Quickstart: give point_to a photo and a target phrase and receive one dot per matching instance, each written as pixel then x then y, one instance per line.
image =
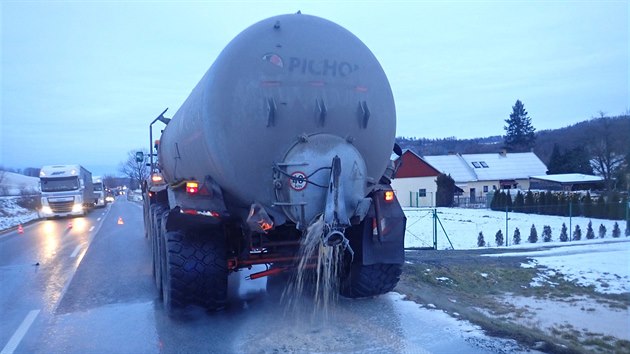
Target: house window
pixel 422 192
pixel 485 189
pixel 483 164
pixel 476 164
pixel 494 188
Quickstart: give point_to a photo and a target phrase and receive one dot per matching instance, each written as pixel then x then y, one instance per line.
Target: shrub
pixel 498 237
pixel 480 241
pixel 546 233
pixel 589 231
pixel 616 230
pixel 577 234
pixel 602 230
pixel 564 237
pixel 533 235
pixel 517 236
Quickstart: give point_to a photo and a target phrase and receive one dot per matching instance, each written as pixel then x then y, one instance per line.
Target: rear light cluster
pixel 389 196
pixel 192 187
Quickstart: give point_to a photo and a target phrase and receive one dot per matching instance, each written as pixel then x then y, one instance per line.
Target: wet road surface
pixel 93 292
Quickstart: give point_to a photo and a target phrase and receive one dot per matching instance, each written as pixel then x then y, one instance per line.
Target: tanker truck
pixel 294 122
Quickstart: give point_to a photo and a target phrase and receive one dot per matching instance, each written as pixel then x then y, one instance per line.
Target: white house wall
pixel 406 190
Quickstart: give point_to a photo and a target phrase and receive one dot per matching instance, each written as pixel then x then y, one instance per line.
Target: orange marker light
pixel 192 187
pixel 389 196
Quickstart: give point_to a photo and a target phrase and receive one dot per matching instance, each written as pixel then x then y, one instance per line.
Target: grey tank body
pixel 283 78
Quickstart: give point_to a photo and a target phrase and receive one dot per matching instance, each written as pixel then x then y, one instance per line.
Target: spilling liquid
pixel 318 273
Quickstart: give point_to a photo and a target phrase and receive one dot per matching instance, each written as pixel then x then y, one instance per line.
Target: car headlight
pixel 46 210
pixel 77 208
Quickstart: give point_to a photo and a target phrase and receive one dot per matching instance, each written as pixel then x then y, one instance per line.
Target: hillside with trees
pixel 600 146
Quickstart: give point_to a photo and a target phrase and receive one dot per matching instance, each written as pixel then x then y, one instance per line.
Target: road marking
pixel 76 251
pixel 91 228
pixel 20 332
pixel 99 219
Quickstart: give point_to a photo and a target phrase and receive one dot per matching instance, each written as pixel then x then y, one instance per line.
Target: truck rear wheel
pixel 157 232
pixel 370 280
pixel 194 270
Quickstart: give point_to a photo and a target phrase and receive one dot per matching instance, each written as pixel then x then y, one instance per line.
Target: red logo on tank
pixel 274 59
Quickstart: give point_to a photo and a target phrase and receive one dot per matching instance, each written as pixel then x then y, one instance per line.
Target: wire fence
pixel 461 228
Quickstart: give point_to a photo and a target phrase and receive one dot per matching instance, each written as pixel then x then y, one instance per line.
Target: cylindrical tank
pixel 280 80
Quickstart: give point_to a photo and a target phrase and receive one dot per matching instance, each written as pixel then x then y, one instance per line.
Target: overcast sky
pixel 81 80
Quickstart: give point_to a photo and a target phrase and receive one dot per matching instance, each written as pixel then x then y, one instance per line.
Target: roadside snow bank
pixel 11 214
pixel 606 266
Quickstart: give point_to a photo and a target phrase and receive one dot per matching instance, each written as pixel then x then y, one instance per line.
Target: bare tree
pixel 607 158
pixel 136 171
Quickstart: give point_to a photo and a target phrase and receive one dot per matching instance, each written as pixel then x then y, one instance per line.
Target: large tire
pixel 159 214
pixel 370 280
pixel 195 271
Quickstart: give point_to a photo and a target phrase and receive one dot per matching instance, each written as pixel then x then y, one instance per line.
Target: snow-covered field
pixel 462 227
pixel 601 262
pixel 606 266
pixel 15 183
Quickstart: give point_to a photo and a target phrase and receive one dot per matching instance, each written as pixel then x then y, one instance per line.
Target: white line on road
pixel 20 332
pixel 99 219
pixel 91 228
pixel 76 251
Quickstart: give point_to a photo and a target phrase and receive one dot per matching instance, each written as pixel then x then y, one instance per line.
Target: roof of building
pixel 452 165
pixel 488 167
pixel 569 178
pixel 413 165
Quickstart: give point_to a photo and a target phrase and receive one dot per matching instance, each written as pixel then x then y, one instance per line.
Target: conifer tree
pixel 519 133
pixel 602 230
pixel 480 241
pixel 616 231
pixel 498 238
pixel 533 235
pixel 516 239
pixel 530 203
pixel 519 202
pixel 546 233
pixel 587 203
pixel 590 234
pixel 600 208
pixel 577 234
pixel 564 237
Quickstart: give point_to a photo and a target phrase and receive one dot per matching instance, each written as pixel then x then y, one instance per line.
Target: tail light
pixel 389 196
pixel 157 178
pixel 192 187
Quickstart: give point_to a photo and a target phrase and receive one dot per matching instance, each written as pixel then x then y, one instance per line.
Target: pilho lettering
pixel 324 67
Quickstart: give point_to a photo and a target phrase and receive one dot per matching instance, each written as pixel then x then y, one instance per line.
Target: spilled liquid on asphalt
pixel 318 272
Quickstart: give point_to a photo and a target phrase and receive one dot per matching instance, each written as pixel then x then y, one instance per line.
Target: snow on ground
pixel 11 214
pixel 462 226
pixel 605 266
pixel 14 183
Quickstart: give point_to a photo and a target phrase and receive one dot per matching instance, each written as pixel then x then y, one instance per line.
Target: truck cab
pixel 67 190
pixel 100 200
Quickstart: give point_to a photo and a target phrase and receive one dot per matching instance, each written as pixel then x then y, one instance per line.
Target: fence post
pixel 507 235
pixel 570 220
pixel 435 229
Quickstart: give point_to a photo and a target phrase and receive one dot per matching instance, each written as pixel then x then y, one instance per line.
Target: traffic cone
pixel 69 224
pixel 20 229
pixel 120 221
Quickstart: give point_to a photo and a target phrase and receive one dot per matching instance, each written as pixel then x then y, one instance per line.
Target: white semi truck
pixel 99 192
pixel 66 190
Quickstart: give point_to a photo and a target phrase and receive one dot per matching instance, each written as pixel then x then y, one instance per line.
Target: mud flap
pixel 383 232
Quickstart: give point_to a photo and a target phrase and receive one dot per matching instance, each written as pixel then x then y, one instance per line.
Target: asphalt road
pixel 89 289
